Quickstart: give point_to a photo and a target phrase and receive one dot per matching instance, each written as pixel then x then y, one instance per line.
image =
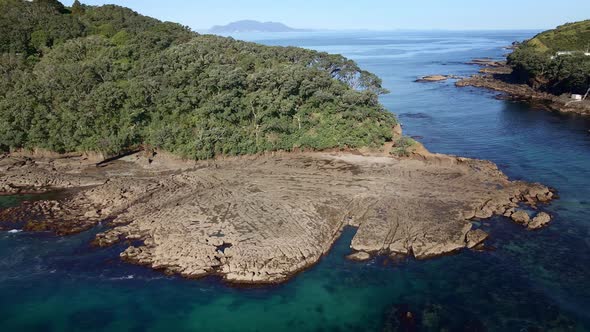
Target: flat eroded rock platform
pixel 262 219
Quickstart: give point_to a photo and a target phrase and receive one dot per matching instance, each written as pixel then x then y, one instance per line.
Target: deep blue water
pixel 531 281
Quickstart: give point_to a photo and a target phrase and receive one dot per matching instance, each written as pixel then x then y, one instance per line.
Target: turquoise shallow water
pixel 531 281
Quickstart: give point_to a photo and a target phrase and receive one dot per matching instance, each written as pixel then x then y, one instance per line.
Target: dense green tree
pixel 78 8
pixel 108 79
pixel 555 74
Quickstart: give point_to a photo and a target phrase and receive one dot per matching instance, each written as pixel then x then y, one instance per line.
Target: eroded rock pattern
pixel 261 219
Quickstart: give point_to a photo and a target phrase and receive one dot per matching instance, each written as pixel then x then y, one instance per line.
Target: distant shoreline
pixel 499 78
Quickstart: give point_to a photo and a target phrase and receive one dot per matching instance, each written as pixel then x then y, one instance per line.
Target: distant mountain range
pixel 252 26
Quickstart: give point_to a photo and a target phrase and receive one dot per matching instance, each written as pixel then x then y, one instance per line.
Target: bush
pixel 402 146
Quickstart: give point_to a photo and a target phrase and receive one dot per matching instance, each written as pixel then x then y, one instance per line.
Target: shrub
pixel 402 146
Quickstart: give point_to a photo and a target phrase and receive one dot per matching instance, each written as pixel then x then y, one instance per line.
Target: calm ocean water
pixel 531 281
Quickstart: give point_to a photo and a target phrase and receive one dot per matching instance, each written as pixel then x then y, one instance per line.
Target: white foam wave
pixel 129 277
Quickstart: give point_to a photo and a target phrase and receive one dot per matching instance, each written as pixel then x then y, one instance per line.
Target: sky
pixel 366 14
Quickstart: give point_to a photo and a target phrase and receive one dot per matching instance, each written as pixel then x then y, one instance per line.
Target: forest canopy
pixel 108 79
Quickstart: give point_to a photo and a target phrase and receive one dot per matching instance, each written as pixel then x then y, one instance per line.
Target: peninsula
pixel 551 70
pixel 205 155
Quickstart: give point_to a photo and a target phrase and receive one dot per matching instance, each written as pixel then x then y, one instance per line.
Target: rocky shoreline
pixel 435 78
pixel 497 77
pixel 261 219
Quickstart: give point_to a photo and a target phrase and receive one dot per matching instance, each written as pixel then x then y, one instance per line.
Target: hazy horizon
pixel 371 15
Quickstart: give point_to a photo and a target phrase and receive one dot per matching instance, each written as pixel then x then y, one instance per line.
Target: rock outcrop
pixel 359 256
pixel 487 62
pixel 521 217
pixel 499 78
pixel 475 238
pixel 433 78
pixel 262 219
pixel 539 221
pixel 436 78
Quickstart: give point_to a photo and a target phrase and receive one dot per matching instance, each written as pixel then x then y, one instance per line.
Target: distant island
pixel 252 26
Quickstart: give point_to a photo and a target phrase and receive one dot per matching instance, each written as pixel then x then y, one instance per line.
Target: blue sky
pixel 366 14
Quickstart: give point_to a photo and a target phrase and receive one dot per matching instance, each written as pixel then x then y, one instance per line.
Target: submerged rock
pixel 360 256
pixel 401 319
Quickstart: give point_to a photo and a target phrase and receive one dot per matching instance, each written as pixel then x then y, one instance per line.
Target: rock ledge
pixel 261 219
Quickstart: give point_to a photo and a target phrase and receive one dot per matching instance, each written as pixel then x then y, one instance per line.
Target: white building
pixel 563 53
pixel 560 53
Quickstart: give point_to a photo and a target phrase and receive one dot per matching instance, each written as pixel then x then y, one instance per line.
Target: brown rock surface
pixel 521 217
pixel 475 237
pixel 433 78
pixel 487 62
pixel 261 219
pixel 359 256
pixel 539 221
pixel 436 78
